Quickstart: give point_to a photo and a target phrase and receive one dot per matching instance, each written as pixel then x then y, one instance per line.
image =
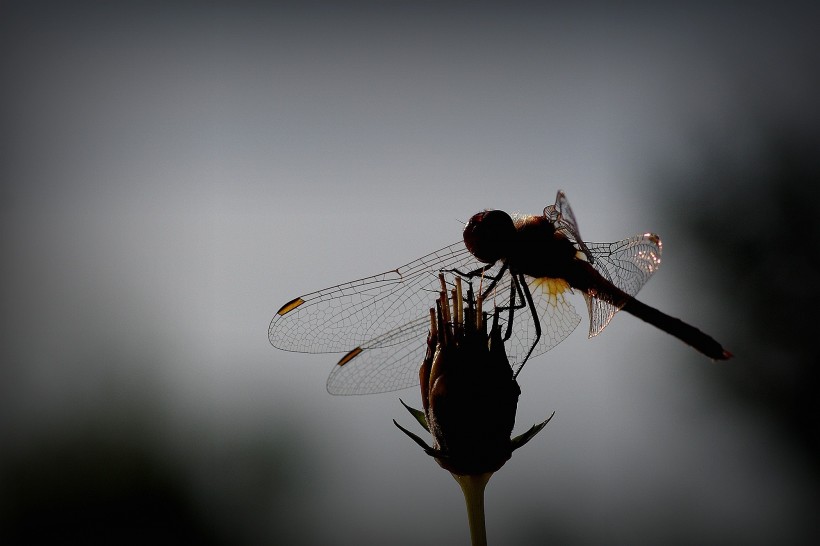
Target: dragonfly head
pixel 489 234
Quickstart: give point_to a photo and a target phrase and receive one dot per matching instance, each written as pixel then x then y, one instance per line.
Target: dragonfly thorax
pixel 539 250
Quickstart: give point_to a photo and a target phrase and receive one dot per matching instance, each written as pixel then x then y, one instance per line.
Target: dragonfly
pixel 528 265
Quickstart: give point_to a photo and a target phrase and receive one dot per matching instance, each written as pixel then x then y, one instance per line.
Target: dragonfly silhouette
pixel 526 266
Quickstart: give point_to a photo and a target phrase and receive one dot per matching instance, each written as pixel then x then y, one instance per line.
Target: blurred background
pixel 172 172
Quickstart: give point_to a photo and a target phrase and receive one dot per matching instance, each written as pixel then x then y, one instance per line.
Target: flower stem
pixel 473 488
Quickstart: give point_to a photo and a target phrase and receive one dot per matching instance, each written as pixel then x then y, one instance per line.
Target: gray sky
pixel 172 174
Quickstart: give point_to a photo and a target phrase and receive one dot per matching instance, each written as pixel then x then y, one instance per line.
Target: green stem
pixel 473 489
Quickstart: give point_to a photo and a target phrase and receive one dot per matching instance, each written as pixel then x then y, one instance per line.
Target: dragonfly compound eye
pixel 488 235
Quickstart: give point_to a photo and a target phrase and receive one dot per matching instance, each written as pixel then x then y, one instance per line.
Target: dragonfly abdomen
pixel 687 333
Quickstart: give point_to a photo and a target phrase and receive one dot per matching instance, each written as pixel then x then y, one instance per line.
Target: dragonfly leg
pixel 536 322
pixel 515 288
pixel 481 272
pixel 512 309
pixel 470 274
pixel 494 281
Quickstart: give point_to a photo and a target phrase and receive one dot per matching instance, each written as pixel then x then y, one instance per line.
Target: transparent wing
pixel 561 216
pixel 628 265
pixel 392 360
pixel 389 362
pixel 348 315
pixel 557 316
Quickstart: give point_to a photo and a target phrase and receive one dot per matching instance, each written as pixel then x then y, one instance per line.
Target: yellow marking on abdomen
pixel 553 287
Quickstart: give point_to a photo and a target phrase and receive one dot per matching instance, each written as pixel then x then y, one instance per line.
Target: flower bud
pixel 468 389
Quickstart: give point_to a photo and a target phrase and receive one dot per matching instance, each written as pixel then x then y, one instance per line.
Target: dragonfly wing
pixel 387 363
pixel 391 361
pixel 628 265
pixel 556 314
pixel 350 314
pixel 562 213
pixel 562 217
